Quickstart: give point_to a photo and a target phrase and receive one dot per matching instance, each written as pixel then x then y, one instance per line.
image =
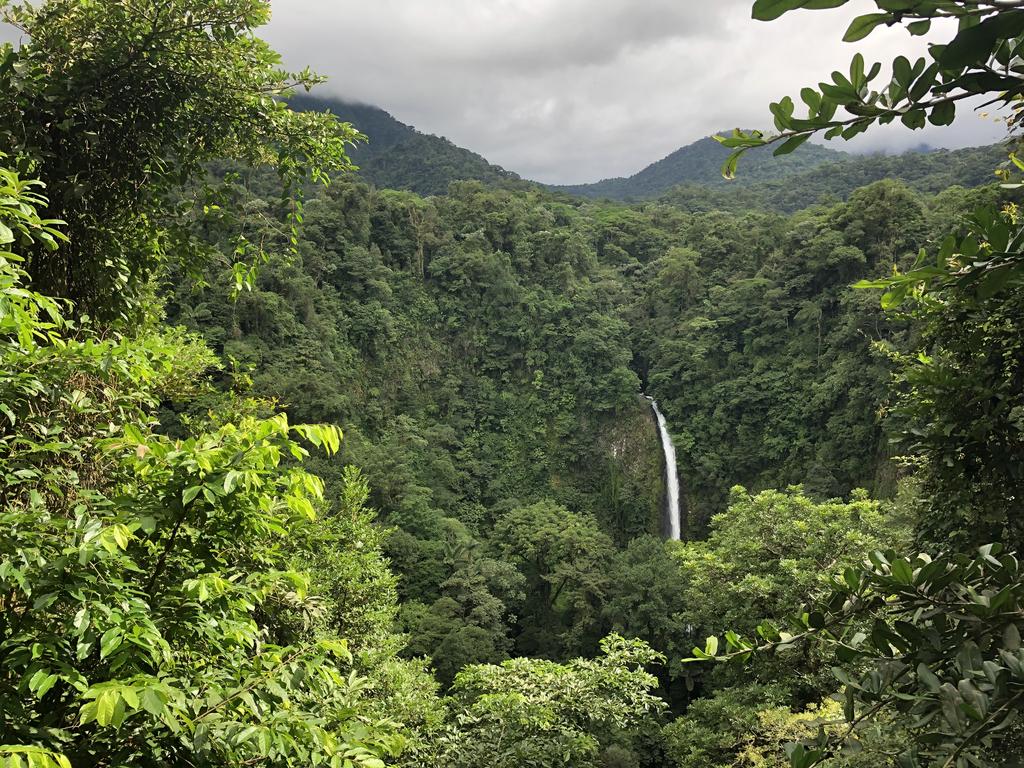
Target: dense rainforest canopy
pixel 301 470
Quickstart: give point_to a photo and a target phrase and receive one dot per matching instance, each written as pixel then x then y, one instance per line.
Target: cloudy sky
pixel 578 90
pixel 570 91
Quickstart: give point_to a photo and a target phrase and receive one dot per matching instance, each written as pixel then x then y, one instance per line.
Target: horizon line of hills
pixel 400 157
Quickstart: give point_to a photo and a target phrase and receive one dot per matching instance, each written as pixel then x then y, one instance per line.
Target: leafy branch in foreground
pixel 983 58
pixel 149 605
pixel 936 641
pixel 978 263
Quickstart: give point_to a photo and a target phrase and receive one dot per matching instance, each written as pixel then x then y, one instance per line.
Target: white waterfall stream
pixel 671 473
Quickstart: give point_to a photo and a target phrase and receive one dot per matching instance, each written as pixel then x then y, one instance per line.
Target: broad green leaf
pixel 920 27
pixel 769 10
pixel 974 45
pixel 902 72
pixel 105 707
pixel 790 144
pixel 914 119
pixel 711 646
pixel 928 678
pixel 862 26
pixel 152 702
pixel 902 572
pixel 110 641
pixel 943 114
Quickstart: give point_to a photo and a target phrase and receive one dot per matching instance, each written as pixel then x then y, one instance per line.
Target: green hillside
pixel 927 172
pixel 701 163
pixel 397 156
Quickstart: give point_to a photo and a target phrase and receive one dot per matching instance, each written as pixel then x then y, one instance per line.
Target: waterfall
pixel 671 473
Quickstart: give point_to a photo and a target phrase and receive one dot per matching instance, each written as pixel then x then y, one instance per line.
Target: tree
pixel 936 643
pixel 959 406
pixel 118 106
pixel 647 600
pixel 469 623
pixel 745 726
pixel 537 712
pixel 980 60
pixel 565 558
pixel 772 550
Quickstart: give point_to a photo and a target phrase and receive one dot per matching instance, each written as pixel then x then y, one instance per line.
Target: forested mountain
pixel 931 172
pixel 691 177
pixel 700 163
pixel 302 471
pixel 397 156
pixel 484 353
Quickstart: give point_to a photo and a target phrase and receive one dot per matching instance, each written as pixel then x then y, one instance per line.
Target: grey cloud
pixel 503 35
pixel 578 90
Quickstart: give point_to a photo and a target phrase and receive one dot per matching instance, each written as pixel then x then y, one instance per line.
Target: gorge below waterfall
pixel 672 513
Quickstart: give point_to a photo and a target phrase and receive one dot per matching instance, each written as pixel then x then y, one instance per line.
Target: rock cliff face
pixel 635 491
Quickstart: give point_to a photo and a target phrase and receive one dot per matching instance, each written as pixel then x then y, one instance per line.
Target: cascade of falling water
pixel 671 473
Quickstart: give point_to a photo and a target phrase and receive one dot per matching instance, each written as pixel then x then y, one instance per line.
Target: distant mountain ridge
pixel 927 172
pixel 701 163
pixel 400 157
pixel 397 156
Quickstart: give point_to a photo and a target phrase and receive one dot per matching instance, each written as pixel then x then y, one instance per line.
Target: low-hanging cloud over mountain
pixel 568 91
pixel 577 90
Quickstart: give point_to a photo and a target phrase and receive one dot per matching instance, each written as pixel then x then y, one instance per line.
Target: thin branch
pixel 977 732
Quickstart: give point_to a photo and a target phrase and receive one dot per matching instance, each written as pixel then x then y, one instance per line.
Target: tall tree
pixel 117 106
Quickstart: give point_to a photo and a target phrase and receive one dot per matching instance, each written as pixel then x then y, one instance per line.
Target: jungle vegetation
pixel 300 470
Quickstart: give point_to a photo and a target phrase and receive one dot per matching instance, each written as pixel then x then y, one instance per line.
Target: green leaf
pixel 790 144
pixel 811 98
pixel 105 706
pixel 152 702
pixel 902 572
pixel 729 166
pixel 974 45
pixel 862 26
pixel 920 27
pixel 110 641
pixel 130 696
pixel 5 409
pixel 769 10
pixel 46 684
pixel 943 114
pixel 914 119
pixel 902 71
pixel 928 678
pixel 1011 637
pixel 711 646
